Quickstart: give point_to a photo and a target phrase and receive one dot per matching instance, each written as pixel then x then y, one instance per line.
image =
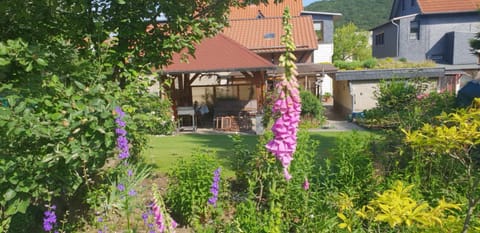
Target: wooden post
pixel 174 97
pixel 259 81
pixel 187 88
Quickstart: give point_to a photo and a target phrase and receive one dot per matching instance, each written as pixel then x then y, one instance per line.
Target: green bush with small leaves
pixel 312 106
pixel 189 188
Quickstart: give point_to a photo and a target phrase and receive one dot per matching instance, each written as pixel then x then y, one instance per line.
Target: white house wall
pixel 327 84
pixel 363 94
pixel 342 98
pixel 323 54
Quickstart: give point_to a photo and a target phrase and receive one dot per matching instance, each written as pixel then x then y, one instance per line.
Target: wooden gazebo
pixel 217 55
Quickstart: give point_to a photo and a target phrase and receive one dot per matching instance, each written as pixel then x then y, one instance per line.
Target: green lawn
pixel 164 151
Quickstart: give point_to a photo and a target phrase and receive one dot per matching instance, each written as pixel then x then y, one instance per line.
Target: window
pixel 380 39
pixel 318 27
pixel 403 4
pixel 269 36
pixel 412 2
pixel 414 30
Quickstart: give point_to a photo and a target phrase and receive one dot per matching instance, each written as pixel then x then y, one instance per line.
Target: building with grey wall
pixel 436 30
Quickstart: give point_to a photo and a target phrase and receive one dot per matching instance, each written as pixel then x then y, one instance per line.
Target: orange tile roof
pixel 446 6
pixel 218 54
pixel 270 10
pixel 263 35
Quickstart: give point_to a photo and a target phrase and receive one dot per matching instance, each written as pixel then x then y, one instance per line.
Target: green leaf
pixel 9 195
pixel 20 107
pixel 3 49
pixel 79 85
pixel 18 206
pixel 41 62
pixel 48 103
pixel 4 62
pixel 29 67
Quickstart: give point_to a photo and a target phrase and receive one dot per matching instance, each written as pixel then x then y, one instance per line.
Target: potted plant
pixel 326 96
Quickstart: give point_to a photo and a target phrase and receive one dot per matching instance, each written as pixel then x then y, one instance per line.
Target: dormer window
pixel 269 36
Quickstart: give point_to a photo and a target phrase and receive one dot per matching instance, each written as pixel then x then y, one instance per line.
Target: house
pixel 438 30
pixel 258 27
pixel 417 30
pixel 323 24
pixel 217 76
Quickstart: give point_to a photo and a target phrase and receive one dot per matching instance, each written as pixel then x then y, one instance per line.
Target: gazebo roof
pixel 218 54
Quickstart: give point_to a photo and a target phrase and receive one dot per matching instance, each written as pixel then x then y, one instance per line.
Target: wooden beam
pixel 194 78
pixel 248 75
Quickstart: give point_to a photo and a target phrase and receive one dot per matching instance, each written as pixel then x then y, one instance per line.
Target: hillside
pixel 366 14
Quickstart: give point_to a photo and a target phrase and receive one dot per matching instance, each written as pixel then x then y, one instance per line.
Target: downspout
pixel 398 29
pixel 398 36
pixel 352 95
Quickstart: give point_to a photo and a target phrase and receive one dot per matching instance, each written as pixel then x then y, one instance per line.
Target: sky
pixel 307 2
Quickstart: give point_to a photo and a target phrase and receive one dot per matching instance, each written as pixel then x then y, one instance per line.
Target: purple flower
pixel 49 219
pixel 121 187
pixel 132 192
pixel 145 218
pixel 120 122
pixel 122 141
pixel 214 189
pixel 130 172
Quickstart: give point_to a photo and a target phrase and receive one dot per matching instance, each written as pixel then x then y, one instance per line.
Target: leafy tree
pixel 146 32
pixel 350 44
pixel 64 66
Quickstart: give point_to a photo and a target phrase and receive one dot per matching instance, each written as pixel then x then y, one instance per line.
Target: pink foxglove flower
pixel 287 105
pixel 163 221
pixel 306 184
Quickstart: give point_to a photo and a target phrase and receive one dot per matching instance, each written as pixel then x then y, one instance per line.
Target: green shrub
pixel 271 202
pixel 311 106
pixel 370 63
pixel 155 115
pixel 189 188
pixel 57 130
pixel 351 166
pixel 396 95
pixel 348 65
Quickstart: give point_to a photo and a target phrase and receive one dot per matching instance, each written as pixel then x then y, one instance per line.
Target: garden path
pixel 335 121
